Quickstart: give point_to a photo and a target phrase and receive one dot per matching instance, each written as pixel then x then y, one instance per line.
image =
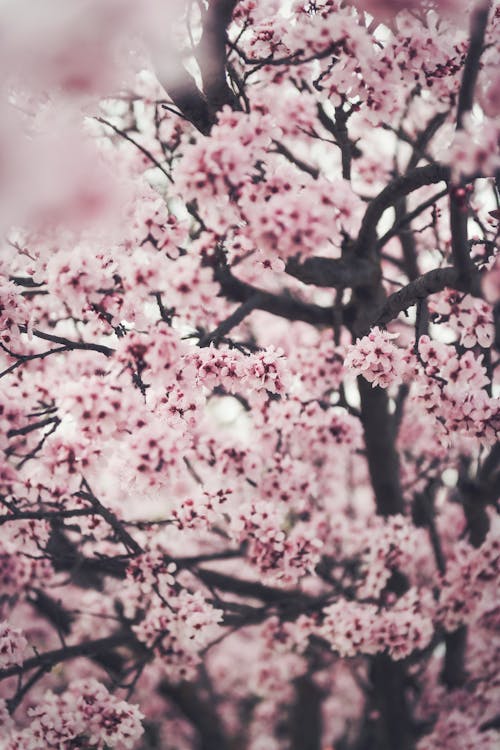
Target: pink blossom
pixel 13 645
pixel 376 358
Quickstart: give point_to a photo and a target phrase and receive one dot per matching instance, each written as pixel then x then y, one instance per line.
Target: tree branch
pixel 414 179
pixel 478 24
pixel 129 542
pixel 201 107
pixel 382 456
pixel 333 272
pixel 199 712
pixel 87 648
pixel 407 218
pixel 306 719
pixel 212 57
pixel 458 197
pixel 106 350
pixel 283 305
pixel 231 321
pixel 430 283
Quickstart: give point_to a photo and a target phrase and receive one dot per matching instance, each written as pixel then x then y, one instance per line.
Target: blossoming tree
pixel 249 475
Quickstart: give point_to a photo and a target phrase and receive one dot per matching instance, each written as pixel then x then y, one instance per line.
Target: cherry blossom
pixel 249 375
pixel 13 645
pixel 376 358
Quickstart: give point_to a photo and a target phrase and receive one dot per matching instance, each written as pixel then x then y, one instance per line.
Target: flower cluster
pixel 467 588
pixel 178 630
pixel 201 511
pixel 151 570
pixel 235 372
pixel 85 715
pixel 471 317
pixel 13 645
pixel 475 149
pixel 454 729
pixel 354 628
pixel 218 167
pixel 281 556
pixel 14 310
pixel 376 358
pixel 452 389
pixel 390 546
pixel 287 219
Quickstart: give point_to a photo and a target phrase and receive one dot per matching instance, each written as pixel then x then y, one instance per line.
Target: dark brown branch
pixel 458 197
pixel 400 186
pixel 52 609
pixel 338 128
pixel 87 648
pixel 26 281
pixel 212 57
pixel 382 456
pixel 106 350
pixel 85 572
pixel 408 217
pixel 283 305
pixel 306 720
pixel 393 728
pixel 293 59
pixel 478 24
pixel 406 138
pixel 424 515
pixel 408 241
pixel 128 541
pixel 201 713
pixel 431 282
pixel 23 358
pixel 453 674
pixel 43 515
pixel 186 96
pixel 302 165
pixel 332 272
pixel 254 589
pixel 478 493
pixel 143 150
pixel 424 138
pixel 201 107
pixel 467 274
pixel 30 427
pixel 231 321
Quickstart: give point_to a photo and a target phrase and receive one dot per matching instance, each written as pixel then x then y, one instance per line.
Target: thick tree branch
pixel 478 24
pixel 122 534
pixel 42 515
pixel 453 674
pixel 202 714
pixel 87 648
pixel 201 107
pixel 430 283
pixel 458 197
pixel 306 719
pixel 382 456
pixel 236 317
pixel 393 729
pixel 419 177
pixel 403 220
pixel 212 59
pixel 253 589
pixel 283 305
pixel 333 272
pixel 338 128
